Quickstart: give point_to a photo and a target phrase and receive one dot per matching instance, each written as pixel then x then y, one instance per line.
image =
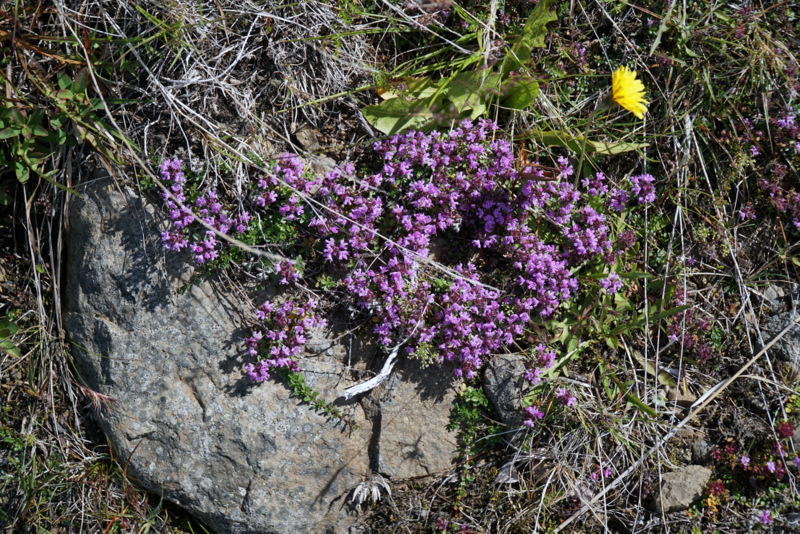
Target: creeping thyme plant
pixel 449 246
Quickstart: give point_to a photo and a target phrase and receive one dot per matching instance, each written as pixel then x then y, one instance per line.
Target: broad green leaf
pixel 471 89
pixel 551 138
pixel 21 170
pixel 615 147
pixel 63 81
pixel 633 399
pixel 397 114
pixel 16 117
pixel 635 275
pixel 520 92
pixel 9 132
pixel 36 117
pixel 65 94
pixel 81 81
pixel 59 120
pixel 10 348
pixel 7 327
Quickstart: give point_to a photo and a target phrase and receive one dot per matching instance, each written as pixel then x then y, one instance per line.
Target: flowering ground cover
pixel 609 192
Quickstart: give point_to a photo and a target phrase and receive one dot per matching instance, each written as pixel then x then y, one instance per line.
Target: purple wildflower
pixel 643 188
pixel 747 212
pixel 612 283
pixel 619 199
pixel 532 412
pixel 765 517
pixel 566 397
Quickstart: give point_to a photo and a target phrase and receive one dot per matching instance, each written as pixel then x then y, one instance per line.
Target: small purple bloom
pixel 619 199
pixel 611 284
pixel 533 412
pixel 754 151
pixel 771 467
pixel 765 517
pixel 643 188
pixel 747 212
pixel 566 397
pixel 745 461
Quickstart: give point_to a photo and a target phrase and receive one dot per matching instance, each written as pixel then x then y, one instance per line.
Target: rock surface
pixel 503 383
pixel 405 412
pixel 242 457
pixel 680 489
pixel 788 347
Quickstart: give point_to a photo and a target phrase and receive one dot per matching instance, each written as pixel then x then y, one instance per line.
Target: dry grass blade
pixel 694 412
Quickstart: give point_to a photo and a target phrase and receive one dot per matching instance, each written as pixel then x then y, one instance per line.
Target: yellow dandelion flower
pixel 628 92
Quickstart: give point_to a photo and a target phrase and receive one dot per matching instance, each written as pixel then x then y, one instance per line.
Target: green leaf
pixel 65 94
pixel 36 117
pixel 520 92
pixel 10 348
pixel 531 36
pixel 9 132
pixel 21 170
pixel 16 116
pixel 397 114
pixel 615 147
pixel 58 120
pixel 63 81
pixel 7 327
pixel 81 81
pixel 38 131
pixel 552 138
pixel 633 399
pixel 470 90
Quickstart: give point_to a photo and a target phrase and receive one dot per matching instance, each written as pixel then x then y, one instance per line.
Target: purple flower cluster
pixel 202 243
pixel 780 185
pixel 690 332
pixel 612 283
pixel 281 342
pixel 532 413
pixel 544 360
pixel 566 398
pixel 377 233
pixel 643 188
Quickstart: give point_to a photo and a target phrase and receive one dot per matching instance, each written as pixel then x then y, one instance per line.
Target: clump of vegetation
pixel 515 209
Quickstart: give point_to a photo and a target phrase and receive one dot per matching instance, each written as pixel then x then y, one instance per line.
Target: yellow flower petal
pixel 628 92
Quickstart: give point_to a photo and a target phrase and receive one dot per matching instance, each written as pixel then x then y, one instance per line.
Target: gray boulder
pixel 681 488
pixel 168 347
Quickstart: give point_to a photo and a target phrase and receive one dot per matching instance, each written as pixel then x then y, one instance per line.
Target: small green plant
pixel 7 330
pixel 421 102
pixel 297 384
pixel 426 354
